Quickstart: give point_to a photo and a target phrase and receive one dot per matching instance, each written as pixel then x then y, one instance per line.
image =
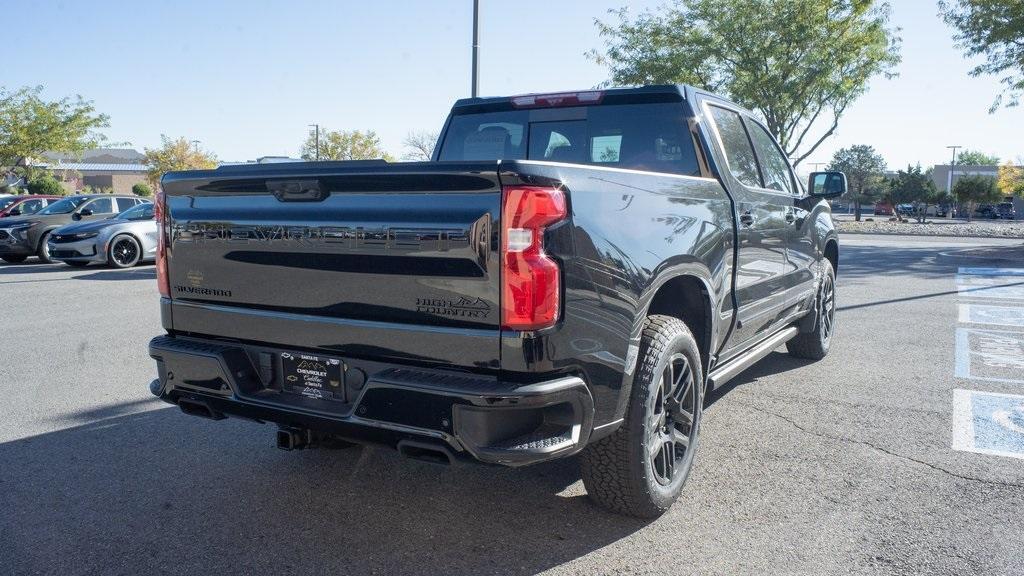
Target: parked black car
pixel 1005 211
pixel 24 236
pixel 571 273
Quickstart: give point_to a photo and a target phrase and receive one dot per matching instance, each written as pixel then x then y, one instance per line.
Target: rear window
pixel 651 137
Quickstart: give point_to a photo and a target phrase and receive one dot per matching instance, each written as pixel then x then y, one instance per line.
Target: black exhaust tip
pixel 426 452
pixel 199 408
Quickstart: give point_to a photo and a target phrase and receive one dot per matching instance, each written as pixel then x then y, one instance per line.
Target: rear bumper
pixel 471 416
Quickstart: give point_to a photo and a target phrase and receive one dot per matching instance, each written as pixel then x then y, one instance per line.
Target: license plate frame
pixel 312 376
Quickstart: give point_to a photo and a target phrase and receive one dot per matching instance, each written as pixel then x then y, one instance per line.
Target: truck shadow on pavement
pixel 158 492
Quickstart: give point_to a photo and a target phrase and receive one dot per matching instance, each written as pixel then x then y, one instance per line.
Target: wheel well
pixel 832 253
pixel 685 297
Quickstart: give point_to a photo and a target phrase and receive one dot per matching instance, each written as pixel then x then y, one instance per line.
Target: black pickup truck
pixel 570 274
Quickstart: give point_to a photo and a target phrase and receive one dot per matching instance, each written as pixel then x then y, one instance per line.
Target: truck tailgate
pixel 360 258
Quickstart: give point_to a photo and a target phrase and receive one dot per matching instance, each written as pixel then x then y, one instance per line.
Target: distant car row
pixel 79 230
pixel 1002 211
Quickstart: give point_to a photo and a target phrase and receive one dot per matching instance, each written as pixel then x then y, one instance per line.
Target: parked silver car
pixel 122 241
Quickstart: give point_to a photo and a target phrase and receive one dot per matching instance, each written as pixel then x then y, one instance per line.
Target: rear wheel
pixel 641 468
pixel 124 252
pixel 43 252
pixel 814 344
pixel 14 259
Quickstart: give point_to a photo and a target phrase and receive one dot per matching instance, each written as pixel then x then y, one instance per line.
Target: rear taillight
pixel 530 279
pixel 159 213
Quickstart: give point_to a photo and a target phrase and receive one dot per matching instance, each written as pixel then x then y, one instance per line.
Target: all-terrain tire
pixel 617 470
pixel 814 344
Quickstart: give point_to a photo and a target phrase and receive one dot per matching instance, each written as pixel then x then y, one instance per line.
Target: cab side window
pixel 30 206
pixel 739 154
pixel 773 163
pixel 125 203
pixel 101 206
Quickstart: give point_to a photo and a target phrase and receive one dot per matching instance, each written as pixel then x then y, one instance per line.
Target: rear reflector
pixel 560 99
pixel 159 214
pixel 531 285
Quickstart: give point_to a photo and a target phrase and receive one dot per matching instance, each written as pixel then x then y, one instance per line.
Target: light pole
pixel 475 87
pixel 317 127
pixel 952 166
pixel 195 145
pixel 949 187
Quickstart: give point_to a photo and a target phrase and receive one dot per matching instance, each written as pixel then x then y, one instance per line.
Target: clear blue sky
pixel 245 78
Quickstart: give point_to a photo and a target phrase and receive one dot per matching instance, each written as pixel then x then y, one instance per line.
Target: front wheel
pixel 43 252
pixel 814 344
pixel 124 252
pixel 640 469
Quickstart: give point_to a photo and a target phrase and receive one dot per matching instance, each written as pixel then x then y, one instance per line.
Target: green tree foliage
pixel 993 29
pixel 864 168
pixel 800 63
pixel 976 158
pixel 419 146
pixel 142 189
pixel 45 183
pixel 912 186
pixel 976 189
pixel 175 154
pixel 1011 179
pixel 31 125
pixel 345 145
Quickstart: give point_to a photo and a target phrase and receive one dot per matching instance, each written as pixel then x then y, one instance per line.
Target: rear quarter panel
pixel 630 231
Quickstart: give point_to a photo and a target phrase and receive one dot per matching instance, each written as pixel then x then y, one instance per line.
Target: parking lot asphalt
pixel 836 467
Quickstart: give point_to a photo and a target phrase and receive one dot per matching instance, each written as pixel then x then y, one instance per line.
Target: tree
pixel 142 189
pixel 993 29
pixel 976 158
pixel 31 125
pixel 345 145
pixel 172 155
pixel 800 63
pixel 1011 179
pixel 419 146
pixel 912 186
pixel 45 184
pixel 863 167
pixel 976 189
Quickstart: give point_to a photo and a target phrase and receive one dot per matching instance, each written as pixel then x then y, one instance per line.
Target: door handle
pixel 747 219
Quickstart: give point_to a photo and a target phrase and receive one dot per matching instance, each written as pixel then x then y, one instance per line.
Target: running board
pixel 728 371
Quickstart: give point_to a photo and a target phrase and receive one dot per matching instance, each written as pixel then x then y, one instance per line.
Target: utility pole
pixel 317 126
pixel 814 165
pixel 475 88
pixel 195 145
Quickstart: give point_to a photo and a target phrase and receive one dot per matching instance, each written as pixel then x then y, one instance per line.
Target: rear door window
pixel 739 153
pixel 125 203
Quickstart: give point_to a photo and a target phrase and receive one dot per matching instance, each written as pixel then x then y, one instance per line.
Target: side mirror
pixel 826 184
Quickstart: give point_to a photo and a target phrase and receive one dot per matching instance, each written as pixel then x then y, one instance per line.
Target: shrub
pixel 142 189
pixel 45 184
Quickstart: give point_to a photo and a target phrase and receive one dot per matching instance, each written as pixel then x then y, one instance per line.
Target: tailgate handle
pixel 296 190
